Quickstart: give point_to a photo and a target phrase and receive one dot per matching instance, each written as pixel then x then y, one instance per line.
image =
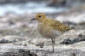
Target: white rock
pixel 13 38
pixel 75 18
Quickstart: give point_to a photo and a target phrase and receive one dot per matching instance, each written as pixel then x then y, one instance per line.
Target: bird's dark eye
pixel 39 16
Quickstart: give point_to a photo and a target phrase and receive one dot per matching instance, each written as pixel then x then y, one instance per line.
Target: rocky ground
pixel 19 37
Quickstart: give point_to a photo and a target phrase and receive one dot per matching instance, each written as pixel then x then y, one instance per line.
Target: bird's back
pixel 56 25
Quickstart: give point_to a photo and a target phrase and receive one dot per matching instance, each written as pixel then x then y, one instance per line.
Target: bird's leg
pixel 53 43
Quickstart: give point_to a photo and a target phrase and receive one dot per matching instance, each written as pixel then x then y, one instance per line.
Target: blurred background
pixel 34 6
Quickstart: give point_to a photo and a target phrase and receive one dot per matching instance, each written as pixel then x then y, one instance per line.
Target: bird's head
pixel 39 17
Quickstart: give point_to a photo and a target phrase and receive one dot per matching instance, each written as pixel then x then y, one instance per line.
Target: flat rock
pixel 61 50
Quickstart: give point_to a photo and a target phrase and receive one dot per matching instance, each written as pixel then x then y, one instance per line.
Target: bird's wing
pixel 59 26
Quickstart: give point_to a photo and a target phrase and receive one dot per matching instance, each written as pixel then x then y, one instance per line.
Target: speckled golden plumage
pixel 47 27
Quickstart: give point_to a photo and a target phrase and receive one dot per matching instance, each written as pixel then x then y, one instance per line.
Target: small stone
pixel 66 41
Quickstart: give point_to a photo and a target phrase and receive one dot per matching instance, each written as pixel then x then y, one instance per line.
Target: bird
pixel 47 27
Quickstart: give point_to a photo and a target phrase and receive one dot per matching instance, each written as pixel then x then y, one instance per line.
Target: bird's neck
pixel 42 20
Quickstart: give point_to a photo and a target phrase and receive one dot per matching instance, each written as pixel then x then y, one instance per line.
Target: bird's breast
pixel 46 31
